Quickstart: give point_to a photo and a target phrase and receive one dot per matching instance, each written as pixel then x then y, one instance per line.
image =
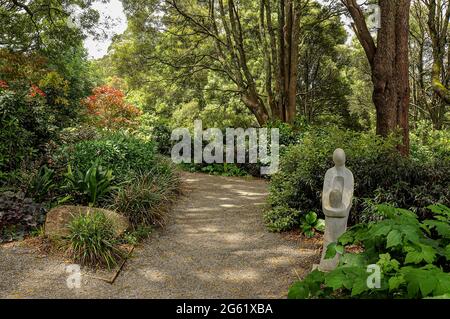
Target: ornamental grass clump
pixel 145 200
pixel 92 241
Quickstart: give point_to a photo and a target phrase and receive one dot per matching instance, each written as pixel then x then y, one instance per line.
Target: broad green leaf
pixel 334 249
pixel 426 253
pixel 346 238
pixel 337 279
pixel 443 228
pixel 359 286
pixel 396 282
pixel 331 251
pixel 311 218
pixel 394 239
pixel 298 291
pixel 381 230
pixel 447 252
pixel 427 285
pixel 353 260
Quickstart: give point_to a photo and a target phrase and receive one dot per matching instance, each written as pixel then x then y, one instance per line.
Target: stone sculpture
pixel 337 199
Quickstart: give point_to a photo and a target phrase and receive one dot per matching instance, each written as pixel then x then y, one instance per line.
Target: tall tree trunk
pixel 292 28
pixel 389 61
pixel 438 22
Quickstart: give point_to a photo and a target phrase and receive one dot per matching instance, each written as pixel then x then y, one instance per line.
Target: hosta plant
pixel 413 258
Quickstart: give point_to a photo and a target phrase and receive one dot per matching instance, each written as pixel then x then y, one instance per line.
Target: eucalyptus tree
pixel 388 56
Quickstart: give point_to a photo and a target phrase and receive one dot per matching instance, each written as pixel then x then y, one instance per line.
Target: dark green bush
pixel 25 126
pixel 224 169
pixel 92 241
pixel 121 152
pixel 161 134
pixel 381 175
pixel 282 218
pixel 42 184
pixel 413 258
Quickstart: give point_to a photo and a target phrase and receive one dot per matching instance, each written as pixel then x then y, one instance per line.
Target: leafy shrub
pixel 413 257
pixel 90 186
pixel 145 199
pixel 18 215
pixel 80 133
pixel 161 134
pixel 42 184
pixel 123 153
pixel 281 218
pixel 92 241
pixel 381 175
pixel 25 126
pixel 224 169
pixel 428 144
pixel 289 135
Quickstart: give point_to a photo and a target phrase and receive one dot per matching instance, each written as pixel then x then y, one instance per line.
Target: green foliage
pixel 281 219
pixel 224 169
pixel 428 144
pixel 92 241
pixel 25 126
pixel 413 257
pixel 311 223
pixel 42 184
pixel 161 134
pixel 145 200
pixel 90 186
pixel 380 174
pixel 137 235
pixel 122 152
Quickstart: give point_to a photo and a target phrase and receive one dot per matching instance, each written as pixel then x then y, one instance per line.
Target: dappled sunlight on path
pixel 215 246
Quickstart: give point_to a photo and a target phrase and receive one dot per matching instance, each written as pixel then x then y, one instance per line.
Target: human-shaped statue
pixel 337 199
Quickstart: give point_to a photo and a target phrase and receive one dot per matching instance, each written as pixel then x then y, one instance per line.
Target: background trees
pixel 429 60
pixel 253 47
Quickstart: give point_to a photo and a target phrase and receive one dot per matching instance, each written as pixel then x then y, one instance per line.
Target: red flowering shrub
pixel 108 108
pixel 3 85
pixel 35 90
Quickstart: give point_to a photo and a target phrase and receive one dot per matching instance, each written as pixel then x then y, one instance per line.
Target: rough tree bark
pixel 389 61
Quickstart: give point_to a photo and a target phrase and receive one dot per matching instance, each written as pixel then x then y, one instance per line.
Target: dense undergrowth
pixel 381 175
pixel 79 161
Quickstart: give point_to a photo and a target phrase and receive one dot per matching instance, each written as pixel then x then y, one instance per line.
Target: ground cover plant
pixel 413 257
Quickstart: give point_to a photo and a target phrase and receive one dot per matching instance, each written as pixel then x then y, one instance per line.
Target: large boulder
pixel 58 219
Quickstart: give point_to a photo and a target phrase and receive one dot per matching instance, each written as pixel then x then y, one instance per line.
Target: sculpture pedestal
pixel 334 228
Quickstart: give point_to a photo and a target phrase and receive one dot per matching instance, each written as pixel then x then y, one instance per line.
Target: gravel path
pixel 215 246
